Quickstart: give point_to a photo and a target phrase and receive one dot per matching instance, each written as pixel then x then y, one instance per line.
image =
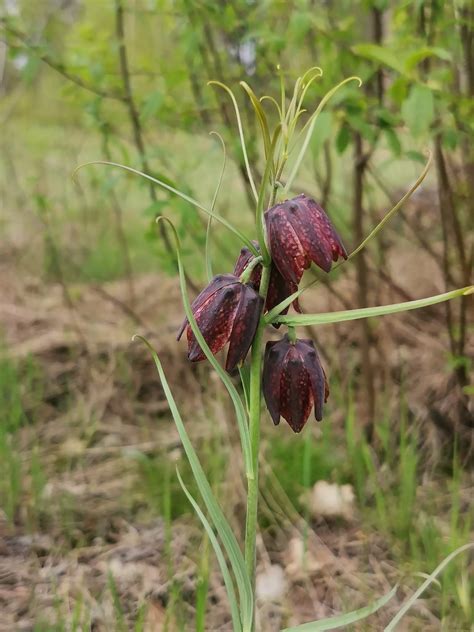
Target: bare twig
pixel 59 67
pixel 121 234
pixel 362 280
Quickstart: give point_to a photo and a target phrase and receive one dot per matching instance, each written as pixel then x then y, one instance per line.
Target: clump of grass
pixel 18 479
pixel 422 521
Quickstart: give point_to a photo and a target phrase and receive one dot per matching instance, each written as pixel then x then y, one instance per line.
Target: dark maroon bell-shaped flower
pixel 279 288
pixel 225 311
pixel 293 382
pixel 299 232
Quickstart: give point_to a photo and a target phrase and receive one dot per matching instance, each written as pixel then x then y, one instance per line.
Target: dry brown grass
pixel 102 401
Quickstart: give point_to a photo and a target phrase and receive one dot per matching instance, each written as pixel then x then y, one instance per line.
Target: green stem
pixel 247 273
pixel 254 429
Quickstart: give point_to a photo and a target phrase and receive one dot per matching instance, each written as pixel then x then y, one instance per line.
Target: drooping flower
pixel 293 382
pixel 225 311
pixel 299 232
pixel 279 288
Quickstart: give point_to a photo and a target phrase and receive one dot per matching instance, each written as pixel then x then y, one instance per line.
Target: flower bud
pixel 278 287
pixel 293 382
pixel 225 311
pixel 299 232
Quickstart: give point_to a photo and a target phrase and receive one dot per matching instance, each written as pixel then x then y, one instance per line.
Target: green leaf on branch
pixel 423 53
pixel 416 156
pixel 303 320
pixel 343 139
pixel 393 141
pixel 418 110
pixel 381 55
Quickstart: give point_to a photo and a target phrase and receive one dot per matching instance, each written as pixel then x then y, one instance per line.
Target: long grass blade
pixel 431 578
pixel 260 221
pixel 303 320
pixel 180 194
pixel 241 133
pixel 343 620
pixel 229 584
pixel 215 512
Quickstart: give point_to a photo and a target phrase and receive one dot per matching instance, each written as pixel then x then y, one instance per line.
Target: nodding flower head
pixel 293 382
pixel 299 232
pixel 279 288
pixel 225 311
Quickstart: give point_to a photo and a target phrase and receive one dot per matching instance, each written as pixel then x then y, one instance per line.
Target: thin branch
pixel 135 118
pixel 59 67
pixel 417 234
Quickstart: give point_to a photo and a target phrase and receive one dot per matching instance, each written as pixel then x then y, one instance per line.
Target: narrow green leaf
pixel 430 579
pixel 282 92
pixel 266 97
pixel 229 584
pixel 241 133
pixel 118 610
pixel 388 216
pixel 292 105
pixel 310 124
pixel 213 204
pixel 259 214
pixel 234 395
pixel 215 512
pixel 306 81
pixel 342 620
pixel 303 320
pixel 244 372
pixel 180 194
pixel 261 116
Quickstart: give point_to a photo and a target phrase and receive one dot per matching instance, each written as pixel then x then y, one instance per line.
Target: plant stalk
pixel 254 428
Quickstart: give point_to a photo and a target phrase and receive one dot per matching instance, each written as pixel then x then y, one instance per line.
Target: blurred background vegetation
pixel 94 529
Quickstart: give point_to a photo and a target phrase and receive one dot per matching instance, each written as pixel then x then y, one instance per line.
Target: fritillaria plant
pixel 234 309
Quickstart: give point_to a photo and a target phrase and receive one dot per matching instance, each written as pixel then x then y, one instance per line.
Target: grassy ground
pixel 95 530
